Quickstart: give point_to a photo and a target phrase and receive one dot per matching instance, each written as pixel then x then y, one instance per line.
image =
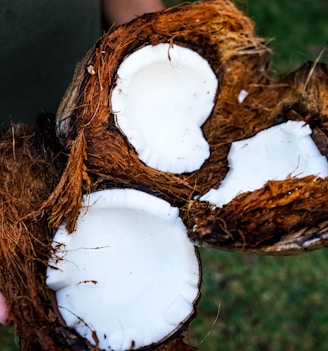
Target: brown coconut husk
pixel 40 187
pixel 30 169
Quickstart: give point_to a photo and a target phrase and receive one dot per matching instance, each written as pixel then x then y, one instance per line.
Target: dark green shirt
pixel 40 43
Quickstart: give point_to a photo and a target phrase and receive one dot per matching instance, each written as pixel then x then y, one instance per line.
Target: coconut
pixel 32 164
pixel 285 216
pixel 277 153
pixel 164 124
pixel 133 282
pixel 129 174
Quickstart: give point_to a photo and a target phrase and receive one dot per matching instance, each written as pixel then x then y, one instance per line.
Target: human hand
pixel 4 311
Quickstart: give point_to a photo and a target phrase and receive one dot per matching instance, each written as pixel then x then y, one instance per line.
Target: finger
pixel 4 312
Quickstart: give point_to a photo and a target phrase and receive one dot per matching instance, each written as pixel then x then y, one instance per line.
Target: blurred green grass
pixel 264 303
pixel 297 29
pixel 255 303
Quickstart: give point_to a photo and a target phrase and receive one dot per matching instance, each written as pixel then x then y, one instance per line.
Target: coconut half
pixel 279 152
pixel 128 276
pixel 163 95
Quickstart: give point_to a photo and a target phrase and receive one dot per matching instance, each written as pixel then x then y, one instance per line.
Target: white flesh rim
pixel 129 273
pixel 282 151
pixel 162 97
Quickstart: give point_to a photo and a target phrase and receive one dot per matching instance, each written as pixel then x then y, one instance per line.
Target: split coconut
pixel 278 153
pixel 162 97
pixel 278 204
pixel 128 277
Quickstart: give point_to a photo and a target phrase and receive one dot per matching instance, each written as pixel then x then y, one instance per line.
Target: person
pixel 40 45
pixel 41 42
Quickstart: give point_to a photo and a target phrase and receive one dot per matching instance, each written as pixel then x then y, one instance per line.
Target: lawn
pixel 254 303
pixel 264 303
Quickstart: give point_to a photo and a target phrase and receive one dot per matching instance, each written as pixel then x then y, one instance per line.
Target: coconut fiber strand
pixel 44 174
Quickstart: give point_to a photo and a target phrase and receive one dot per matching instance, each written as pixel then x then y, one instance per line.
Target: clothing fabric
pixel 40 43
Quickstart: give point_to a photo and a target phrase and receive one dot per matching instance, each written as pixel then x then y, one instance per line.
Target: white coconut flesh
pixel 162 97
pixel 282 151
pixel 128 274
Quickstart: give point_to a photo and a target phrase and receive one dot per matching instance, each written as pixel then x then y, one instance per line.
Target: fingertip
pixel 4 312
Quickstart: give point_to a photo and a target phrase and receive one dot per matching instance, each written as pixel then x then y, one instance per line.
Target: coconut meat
pixel 163 95
pixel 128 274
pixel 282 151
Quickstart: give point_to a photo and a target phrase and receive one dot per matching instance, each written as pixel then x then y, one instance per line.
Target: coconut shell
pixel 42 182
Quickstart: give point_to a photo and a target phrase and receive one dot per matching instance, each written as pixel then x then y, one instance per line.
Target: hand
pixel 4 312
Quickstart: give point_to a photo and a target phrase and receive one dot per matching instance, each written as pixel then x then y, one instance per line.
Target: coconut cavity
pixel 163 95
pixel 282 151
pixel 128 276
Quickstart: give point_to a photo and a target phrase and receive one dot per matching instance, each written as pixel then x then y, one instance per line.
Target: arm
pixel 117 12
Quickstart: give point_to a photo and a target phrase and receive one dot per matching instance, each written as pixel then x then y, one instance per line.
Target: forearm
pixel 117 12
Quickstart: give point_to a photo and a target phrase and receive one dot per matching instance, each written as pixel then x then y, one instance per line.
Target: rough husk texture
pixel 42 183
pixel 30 168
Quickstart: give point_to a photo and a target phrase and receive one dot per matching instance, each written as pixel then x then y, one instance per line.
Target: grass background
pixel 264 303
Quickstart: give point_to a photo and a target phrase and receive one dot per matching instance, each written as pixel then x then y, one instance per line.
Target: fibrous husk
pixel 40 187
pixel 30 169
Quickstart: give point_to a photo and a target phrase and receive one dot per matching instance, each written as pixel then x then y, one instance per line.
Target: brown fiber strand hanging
pixel 43 175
